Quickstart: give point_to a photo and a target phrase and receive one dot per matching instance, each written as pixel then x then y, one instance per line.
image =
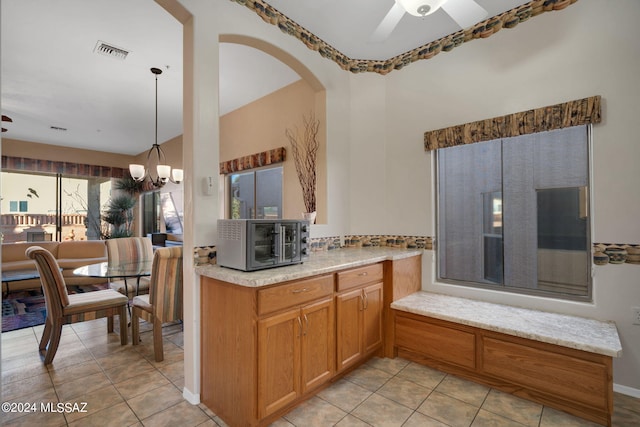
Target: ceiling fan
pixel 464 12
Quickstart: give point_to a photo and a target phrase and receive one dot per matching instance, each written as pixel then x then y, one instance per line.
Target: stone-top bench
pixel 558 360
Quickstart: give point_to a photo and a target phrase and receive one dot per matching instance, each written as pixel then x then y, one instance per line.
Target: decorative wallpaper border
pixel 325 244
pixel 393 241
pixel 572 113
pixel 269 157
pixel 616 253
pixel 603 253
pixel 203 255
pixel 484 29
pixel 65 168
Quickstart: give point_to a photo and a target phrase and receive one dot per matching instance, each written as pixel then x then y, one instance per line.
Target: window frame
pixel 512 289
pixel 228 189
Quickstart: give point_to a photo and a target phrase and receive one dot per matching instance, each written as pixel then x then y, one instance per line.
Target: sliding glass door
pixel 39 207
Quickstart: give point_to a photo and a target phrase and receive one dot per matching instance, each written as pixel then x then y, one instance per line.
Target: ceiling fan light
pixel 137 172
pixel 178 175
pixel 421 7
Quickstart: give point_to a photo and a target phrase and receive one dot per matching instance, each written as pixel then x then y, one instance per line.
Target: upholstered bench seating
pixel 69 254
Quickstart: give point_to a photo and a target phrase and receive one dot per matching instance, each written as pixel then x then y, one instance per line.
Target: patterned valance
pixel 276 155
pixel 573 113
pixel 65 168
pixel 484 29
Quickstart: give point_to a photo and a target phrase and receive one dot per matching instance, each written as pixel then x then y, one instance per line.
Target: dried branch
pixel 304 147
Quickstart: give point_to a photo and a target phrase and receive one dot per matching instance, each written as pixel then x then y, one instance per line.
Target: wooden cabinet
pixel 295 354
pixel 264 349
pixel 358 314
pixel 571 380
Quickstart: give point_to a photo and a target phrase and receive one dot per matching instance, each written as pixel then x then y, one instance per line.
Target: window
pixel 150 212
pixel 18 206
pixel 256 194
pixel 513 214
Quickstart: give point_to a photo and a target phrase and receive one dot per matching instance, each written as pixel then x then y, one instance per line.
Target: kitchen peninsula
pixel 274 337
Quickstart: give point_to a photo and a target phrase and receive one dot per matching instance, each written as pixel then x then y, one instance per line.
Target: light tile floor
pixel 124 386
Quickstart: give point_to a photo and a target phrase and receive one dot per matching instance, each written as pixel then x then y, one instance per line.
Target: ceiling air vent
pixel 109 50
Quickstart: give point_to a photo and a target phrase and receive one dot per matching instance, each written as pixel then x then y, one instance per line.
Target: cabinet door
pixel 349 327
pixel 278 361
pixel 318 343
pixel 372 317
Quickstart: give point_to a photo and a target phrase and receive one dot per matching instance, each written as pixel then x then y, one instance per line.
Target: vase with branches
pixel 304 148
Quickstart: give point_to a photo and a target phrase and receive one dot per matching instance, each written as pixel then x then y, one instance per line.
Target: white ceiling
pixel 51 76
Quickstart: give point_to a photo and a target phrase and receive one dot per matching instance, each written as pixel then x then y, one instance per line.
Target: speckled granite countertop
pixel 317 263
pixel 569 331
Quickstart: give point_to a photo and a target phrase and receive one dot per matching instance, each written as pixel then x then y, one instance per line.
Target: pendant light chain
pixel 164 173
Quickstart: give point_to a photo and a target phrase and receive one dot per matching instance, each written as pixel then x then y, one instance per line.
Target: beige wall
pixel 261 125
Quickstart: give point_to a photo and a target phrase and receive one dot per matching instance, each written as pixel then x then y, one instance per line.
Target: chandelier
pixel 164 172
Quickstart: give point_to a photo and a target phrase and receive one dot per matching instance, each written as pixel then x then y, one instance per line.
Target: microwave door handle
pixel 277 246
pixel 281 241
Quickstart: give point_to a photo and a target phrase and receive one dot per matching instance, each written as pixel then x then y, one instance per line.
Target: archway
pixel 260 126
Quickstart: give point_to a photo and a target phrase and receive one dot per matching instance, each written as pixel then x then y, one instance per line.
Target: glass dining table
pixel 109 271
pixel 16 276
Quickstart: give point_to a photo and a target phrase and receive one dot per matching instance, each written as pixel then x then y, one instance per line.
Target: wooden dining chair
pixel 125 250
pixel 163 303
pixel 63 308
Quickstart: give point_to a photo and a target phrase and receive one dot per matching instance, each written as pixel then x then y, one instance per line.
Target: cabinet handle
pixel 299 324
pixel 306 321
pixel 365 299
pixel 361 301
pixel 364 273
pixel 297 291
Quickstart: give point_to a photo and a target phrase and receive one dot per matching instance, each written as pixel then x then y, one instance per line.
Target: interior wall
pixel 260 126
pixel 368 147
pixel 553 58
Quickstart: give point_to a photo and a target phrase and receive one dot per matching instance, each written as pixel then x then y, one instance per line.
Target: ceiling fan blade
pixel 465 12
pixel 388 23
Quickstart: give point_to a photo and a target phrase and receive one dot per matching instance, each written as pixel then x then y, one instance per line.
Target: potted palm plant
pixel 118 215
pixel 304 148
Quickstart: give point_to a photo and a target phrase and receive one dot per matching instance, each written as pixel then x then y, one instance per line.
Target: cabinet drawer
pixel 294 293
pixel 359 276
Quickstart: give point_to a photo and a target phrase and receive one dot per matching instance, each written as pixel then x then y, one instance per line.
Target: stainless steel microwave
pixel 257 244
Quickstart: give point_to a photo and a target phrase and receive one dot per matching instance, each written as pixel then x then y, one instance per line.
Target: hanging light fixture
pixel 421 7
pixel 140 173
